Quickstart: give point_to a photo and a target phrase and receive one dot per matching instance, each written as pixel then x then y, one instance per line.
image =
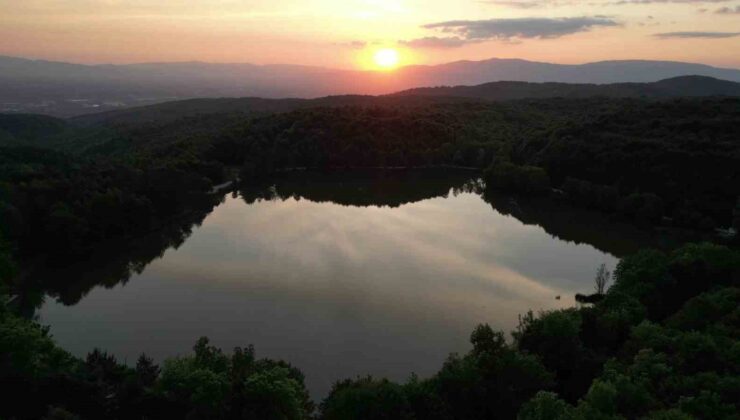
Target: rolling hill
pixel 65 89
pixel 667 88
pixel 30 129
pixel 87 132
pixel 43 131
pixel 170 111
pixel 495 91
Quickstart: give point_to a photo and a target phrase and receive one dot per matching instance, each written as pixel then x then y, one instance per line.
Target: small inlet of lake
pixel 381 273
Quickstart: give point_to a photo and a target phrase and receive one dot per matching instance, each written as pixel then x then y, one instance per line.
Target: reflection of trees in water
pixel 390 188
pixel 110 265
pixel 395 188
pixel 116 263
pixel 580 226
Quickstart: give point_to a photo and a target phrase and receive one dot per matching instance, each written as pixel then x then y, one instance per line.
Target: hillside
pixel 29 129
pixel 633 158
pixel 65 89
pixel 667 88
pixel 496 91
pixel 170 111
pixel 42 131
pixel 623 146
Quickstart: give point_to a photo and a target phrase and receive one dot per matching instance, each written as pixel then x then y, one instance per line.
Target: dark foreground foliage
pixel 40 380
pixel 664 343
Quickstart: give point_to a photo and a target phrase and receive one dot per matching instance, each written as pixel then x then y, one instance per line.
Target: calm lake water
pixel 382 274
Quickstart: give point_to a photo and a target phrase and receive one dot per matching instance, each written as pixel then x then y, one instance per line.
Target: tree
pixel 365 398
pixel 273 394
pixel 146 370
pixel 546 406
pixel 57 413
pixel 506 176
pixel 555 338
pixel 602 279
pixel 7 266
pixel 485 340
pixel 210 357
pixel 184 381
pixel 27 350
pixel 492 381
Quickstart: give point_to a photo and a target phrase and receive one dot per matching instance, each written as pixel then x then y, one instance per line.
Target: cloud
pixel 525 4
pixel 353 44
pixel 728 11
pixel 504 29
pixel 434 42
pixel 667 35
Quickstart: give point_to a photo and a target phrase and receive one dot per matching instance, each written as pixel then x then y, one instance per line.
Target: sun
pixel 386 58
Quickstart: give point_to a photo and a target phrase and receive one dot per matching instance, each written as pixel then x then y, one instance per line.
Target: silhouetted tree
pixel 602 279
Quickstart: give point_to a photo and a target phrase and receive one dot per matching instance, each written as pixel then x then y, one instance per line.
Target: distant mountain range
pixel 65 89
pixel 667 88
pixel 684 86
pixel 84 132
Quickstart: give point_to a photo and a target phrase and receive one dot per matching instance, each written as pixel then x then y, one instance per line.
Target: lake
pixel 381 273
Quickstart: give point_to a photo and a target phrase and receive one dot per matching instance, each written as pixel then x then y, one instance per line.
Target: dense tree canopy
pixel 662 343
pixel 633 158
pixel 621 156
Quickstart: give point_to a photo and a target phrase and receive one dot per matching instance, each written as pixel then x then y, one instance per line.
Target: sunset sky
pixel 347 33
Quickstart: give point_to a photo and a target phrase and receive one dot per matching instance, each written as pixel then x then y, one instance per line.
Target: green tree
pixel 146 370
pixel 185 381
pixel 27 350
pixel 273 394
pixel 546 406
pixel 366 398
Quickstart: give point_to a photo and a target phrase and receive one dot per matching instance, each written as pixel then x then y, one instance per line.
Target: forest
pixel 662 343
pixel 669 163
pixel 640 352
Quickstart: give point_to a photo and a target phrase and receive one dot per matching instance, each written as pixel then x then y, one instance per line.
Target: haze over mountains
pixel 65 89
pixel 683 86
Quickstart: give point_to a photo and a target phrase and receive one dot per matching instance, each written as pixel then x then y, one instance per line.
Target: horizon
pixel 349 34
pixel 371 70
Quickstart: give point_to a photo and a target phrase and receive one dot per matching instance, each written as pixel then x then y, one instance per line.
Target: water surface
pixel 375 274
